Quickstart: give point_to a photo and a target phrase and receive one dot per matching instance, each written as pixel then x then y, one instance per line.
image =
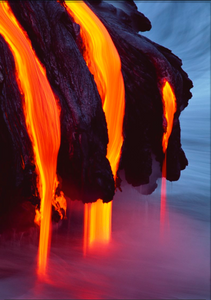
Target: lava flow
pixel 42 119
pixel 104 63
pixel 169 109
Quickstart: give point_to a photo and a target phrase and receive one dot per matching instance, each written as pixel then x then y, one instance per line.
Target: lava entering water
pixel 169 109
pixel 42 118
pixel 104 63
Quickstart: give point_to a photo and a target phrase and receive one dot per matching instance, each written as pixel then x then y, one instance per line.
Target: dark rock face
pixel 145 65
pixel 17 175
pixel 126 12
pixel 17 167
pixel 82 162
pixel 83 169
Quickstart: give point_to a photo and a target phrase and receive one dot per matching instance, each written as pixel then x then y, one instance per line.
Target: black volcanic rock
pixel 145 65
pixel 83 169
pixel 82 162
pixel 126 12
pixel 17 168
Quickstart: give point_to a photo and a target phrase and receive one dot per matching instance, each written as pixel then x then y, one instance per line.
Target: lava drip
pixel 104 63
pixel 41 116
pixel 169 109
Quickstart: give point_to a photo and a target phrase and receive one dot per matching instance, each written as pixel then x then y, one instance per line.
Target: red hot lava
pixel 104 63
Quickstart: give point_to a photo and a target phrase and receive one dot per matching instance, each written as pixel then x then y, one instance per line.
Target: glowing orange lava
pixel 169 109
pixel 104 63
pixel 42 118
pixel 59 202
pixel 97 223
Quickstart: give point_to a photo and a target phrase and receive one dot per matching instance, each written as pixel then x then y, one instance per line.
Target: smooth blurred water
pixel 149 256
pixel 184 28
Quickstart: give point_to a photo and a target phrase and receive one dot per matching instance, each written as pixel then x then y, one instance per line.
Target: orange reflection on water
pixel 163 194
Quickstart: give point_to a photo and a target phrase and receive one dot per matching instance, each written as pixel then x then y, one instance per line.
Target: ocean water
pixel 184 28
pixel 151 255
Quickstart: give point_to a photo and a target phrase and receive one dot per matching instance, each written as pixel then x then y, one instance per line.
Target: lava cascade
pixel 169 109
pixel 42 119
pixel 104 63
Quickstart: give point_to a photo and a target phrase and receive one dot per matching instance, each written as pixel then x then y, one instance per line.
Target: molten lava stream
pixel 42 118
pixel 104 63
pixel 169 109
